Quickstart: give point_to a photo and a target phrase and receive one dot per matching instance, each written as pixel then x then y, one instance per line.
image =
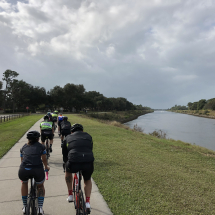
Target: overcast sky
pixel 157 53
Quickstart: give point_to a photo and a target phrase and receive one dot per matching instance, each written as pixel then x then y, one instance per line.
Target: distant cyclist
pixel 47 130
pixel 54 117
pixel 32 166
pixel 59 120
pixel 78 155
pixel 65 128
pixel 49 115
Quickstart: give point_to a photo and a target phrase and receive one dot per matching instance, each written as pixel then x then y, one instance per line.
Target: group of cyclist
pixel 77 147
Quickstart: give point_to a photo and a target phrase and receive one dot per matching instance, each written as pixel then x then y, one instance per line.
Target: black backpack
pixel 65 126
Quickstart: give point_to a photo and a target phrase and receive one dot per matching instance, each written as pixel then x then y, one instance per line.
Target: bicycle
pixel 47 149
pixel 78 195
pixel 32 203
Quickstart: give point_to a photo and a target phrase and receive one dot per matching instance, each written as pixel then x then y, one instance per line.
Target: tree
pixel 201 104
pixel 1 93
pixel 8 77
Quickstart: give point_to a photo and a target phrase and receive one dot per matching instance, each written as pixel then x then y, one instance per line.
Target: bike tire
pixel 28 208
pixel 47 150
pixel 82 203
pixel 33 208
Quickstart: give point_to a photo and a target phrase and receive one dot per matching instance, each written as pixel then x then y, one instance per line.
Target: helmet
pixel 77 127
pixel 65 118
pixel 46 117
pixel 49 114
pixel 32 135
pixel 55 111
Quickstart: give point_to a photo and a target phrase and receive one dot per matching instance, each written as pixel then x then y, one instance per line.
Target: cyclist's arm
pixel 21 155
pixel 45 161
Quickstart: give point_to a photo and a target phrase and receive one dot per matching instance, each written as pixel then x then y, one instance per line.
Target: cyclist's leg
pixel 51 141
pixel 40 178
pixel 23 175
pixel 43 138
pixel 87 172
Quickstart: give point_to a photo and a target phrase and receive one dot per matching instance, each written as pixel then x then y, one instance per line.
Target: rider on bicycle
pixel 54 116
pixel 78 155
pixel 32 166
pixel 47 130
pixel 59 120
pixel 65 128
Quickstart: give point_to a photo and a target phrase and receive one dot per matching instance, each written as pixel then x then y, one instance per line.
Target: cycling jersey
pixel 31 155
pixel 77 147
pixel 46 125
pixel 60 118
pixel 54 117
pixel 66 126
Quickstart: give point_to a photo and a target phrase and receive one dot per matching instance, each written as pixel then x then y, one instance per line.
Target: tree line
pixel 202 104
pixel 18 95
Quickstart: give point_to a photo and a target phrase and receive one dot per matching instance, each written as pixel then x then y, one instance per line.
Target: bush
pixel 159 134
pixel 137 128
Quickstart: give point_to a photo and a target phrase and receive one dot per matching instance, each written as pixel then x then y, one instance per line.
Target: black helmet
pixel 46 117
pixel 65 118
pixel 32 135
pixel 77 127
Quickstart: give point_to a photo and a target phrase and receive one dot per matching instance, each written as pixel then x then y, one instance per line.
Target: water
pixel 187 128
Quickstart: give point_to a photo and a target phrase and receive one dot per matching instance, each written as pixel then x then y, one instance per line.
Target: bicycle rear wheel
pixel 47 149
pixel 82 203
pixel 28 209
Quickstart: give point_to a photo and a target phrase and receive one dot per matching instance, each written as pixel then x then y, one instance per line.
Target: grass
pixel 202 113
pixel 141 174
pixel 11 131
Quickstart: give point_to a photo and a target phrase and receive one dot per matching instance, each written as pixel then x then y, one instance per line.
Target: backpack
pixel 65 125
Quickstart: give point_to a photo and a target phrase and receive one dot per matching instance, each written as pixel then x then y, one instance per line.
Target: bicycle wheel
pixel 82 203
pixel 28 209
pixel 33 208
pixel 47 149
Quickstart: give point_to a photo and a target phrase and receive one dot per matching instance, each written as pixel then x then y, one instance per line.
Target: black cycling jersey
pixel 77 147
pixel 32 155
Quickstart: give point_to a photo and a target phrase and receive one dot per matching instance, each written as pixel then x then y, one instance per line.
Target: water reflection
pixel 191 129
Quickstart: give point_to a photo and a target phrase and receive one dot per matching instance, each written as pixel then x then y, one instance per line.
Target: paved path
pixel 56 190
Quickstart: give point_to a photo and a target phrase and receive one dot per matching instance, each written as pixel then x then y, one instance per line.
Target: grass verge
pixel 12 131
pixel 141 174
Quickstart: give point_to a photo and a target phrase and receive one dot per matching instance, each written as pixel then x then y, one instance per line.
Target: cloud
pixel 144 50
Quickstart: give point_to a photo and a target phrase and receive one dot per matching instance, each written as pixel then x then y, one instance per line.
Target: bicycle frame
pixel 78 195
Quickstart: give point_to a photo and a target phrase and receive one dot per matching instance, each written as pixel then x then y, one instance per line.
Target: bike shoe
pixel 70 198
pixel 24 210
pixel 40 211
pixel 50 149
pixel 88 208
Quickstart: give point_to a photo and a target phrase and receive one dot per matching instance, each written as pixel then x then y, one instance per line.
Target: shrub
pixel 137 128
pixel 159 134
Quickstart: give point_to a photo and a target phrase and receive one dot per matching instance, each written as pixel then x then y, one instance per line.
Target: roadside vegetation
pixel 141 174
pixel 12 131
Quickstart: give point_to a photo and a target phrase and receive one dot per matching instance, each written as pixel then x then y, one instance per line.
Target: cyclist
pixel 47 130
pixel 32 165
pixel 59 120
pixel 78 155
pixel 49 115
pixel 54 117
pixel 65 127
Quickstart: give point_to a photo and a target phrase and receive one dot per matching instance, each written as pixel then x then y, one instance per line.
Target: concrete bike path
pixel 56 191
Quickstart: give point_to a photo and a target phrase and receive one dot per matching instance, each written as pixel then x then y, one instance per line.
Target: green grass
pixel 11 131
pixel 140 174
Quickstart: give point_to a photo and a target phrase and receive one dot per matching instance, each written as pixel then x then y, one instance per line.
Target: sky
pixel 156 53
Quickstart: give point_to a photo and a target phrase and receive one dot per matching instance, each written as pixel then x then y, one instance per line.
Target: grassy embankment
pixel 13 130
pixel 201 113
pixel 120 116
pixel 140 174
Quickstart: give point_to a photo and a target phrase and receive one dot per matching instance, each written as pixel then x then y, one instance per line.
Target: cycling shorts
pixel 59 123
pixel 37 173
pixel 87 168
pixel 46 134
pixel 65 133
